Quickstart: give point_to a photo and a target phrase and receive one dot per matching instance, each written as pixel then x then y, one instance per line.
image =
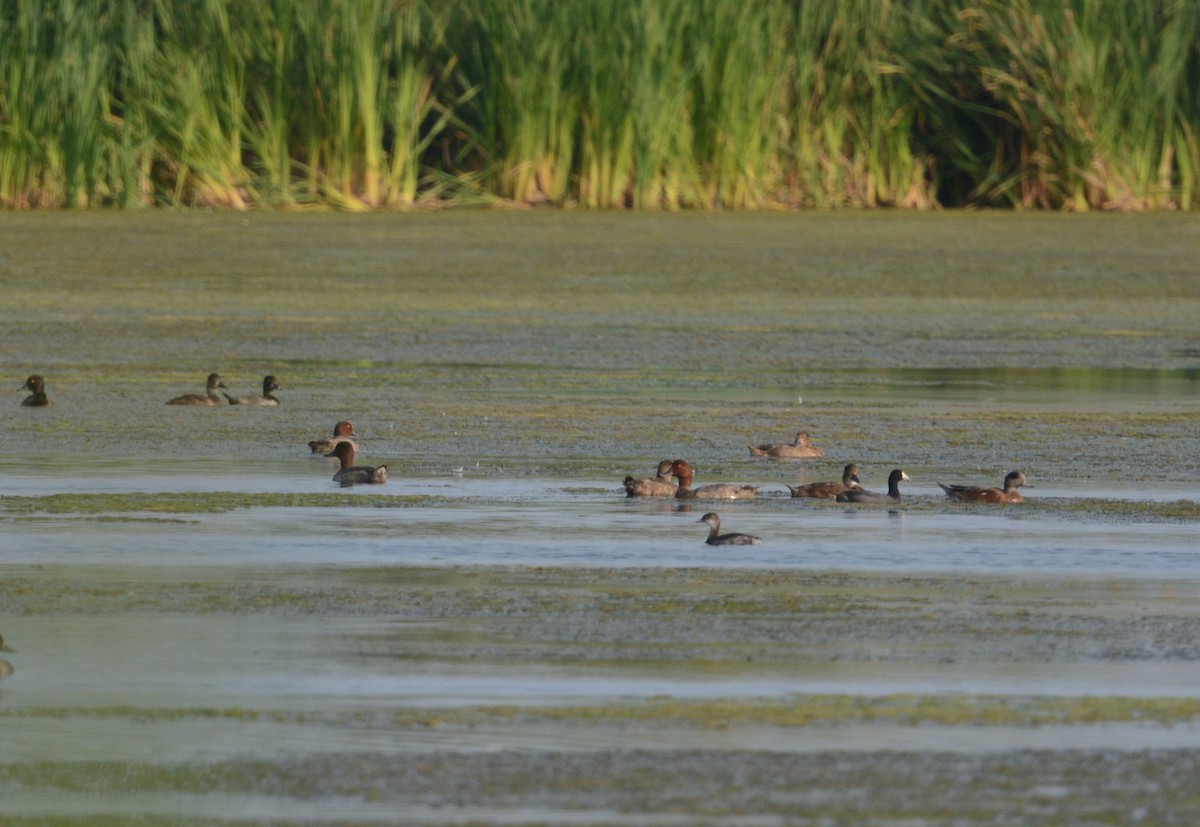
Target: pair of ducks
pixel 211 397
pixel 343 447
pixel 850 490
pixel 662 486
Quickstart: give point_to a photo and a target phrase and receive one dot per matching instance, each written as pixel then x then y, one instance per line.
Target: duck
pixel 829 490
pixel 269 384
pixel 351 474
pixel 38 398
pixel 716 538
pixel 983 494
pixel 682 470
pixel 6 668
pixel 342 432
pixel 799 448
pixel 861 495
pixel 659 486
pixel 210 397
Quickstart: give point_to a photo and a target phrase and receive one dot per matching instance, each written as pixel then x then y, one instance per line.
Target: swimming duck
pixel 208 398
pixel 5 667
pixel 682 470
pixel 799 448
pixel 342 432
pixel 38 398
pixel 716 538
pixel 350 474
pixel 659 486
pixel 829 490
pixel 861 495
pixel 982 494
pixel 269 384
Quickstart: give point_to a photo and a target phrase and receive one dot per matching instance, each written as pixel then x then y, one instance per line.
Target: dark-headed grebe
pixel 716 538
pixel 269 384
pixel 38 398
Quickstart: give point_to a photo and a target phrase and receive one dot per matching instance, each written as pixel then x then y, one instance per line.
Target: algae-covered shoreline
pixel 748 653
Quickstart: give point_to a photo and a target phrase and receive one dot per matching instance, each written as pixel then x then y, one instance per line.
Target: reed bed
pixel 649 104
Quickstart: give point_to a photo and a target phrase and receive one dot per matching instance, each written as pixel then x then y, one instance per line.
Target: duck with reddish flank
pixel 37 398
pixel 682 470
pixel 351 474
pixel 799 448
pixel 269 384
pixel 342 432
pixel 861 495
pixel 716 538
pixel 659 486
pixel 983 494
pixel 829 490
pixel 210 397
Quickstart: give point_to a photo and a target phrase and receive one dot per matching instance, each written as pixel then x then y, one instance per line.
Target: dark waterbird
pixel 862 495
pixel 351 474
pixel 716 538
pixel 37 398
pixel 269 384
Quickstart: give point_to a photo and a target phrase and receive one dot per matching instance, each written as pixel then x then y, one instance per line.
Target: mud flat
pixel 539 695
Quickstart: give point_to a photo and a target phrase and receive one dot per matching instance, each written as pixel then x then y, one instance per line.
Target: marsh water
pixel 207 628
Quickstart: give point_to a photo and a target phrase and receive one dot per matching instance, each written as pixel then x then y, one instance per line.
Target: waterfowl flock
pixel 849 490
pixel 673 478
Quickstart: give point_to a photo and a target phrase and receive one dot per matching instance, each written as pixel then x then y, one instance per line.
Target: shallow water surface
pixel 193 602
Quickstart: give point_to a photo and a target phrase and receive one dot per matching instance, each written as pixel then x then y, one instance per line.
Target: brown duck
pixel 658 486
pixel 351 474
pixel 799 448
pixel 829 490
pixel 681 469
pixel 982 494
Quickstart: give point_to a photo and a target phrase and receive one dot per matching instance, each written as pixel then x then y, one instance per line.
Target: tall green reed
pixel 649 104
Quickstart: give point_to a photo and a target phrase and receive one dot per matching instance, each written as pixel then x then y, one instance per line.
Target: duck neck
pixel 684 489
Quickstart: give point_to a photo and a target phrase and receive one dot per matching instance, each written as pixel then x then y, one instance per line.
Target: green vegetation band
pixel 651 104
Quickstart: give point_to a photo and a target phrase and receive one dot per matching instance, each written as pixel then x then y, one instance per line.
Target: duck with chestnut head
pixel 350 474
pixel 682 470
